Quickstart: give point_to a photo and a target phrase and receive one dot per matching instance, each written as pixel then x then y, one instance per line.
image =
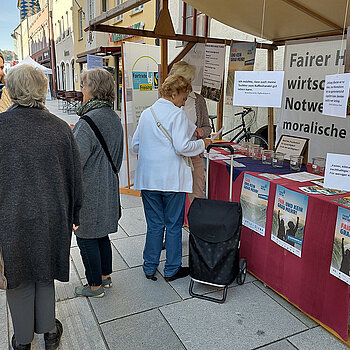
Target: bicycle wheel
pixel 255 139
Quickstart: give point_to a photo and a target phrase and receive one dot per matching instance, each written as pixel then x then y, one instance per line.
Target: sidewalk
pixel 140 314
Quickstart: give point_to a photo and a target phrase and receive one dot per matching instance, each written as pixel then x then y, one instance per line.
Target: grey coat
pixel 40 195
pixel 100 211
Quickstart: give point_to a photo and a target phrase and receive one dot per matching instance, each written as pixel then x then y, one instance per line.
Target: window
pixel 63 32
pixel 120 17
pixel 194 22
pixel 80 23
pixel 91 9
pixel 104 6
pixel 137 9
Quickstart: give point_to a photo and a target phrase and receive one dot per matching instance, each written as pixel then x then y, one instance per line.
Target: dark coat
pixel 40 194
pixel 100 211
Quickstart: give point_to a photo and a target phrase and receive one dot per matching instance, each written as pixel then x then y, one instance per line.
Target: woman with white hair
pixel 196 110
pixel 99 135
pixel 41 195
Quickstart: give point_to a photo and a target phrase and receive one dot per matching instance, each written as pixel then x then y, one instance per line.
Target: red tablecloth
pixel 305 281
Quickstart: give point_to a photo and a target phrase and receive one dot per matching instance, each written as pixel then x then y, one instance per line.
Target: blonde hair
pixel 99 83
pixel 27 86
pixel 174 84
pixel 184 69
pixel 2 79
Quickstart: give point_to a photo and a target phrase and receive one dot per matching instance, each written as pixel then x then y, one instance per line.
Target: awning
pixel 283 19
pixel 99 51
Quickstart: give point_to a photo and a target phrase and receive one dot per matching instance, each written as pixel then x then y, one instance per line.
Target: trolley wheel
pixel 242 271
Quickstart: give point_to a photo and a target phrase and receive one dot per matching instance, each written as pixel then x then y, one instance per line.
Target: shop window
pixel 120 17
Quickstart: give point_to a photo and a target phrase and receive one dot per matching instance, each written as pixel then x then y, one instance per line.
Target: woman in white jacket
pixel 162 139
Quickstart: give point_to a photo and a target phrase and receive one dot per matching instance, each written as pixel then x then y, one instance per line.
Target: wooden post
pixel 347 52
pixel 270 121
pixel 164 50
pixel 220 112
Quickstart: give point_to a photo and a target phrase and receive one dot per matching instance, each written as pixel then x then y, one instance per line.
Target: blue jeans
pixel 97 258
pixel 163 209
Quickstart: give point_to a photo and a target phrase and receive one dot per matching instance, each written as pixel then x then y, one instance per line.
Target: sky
pixel 9 20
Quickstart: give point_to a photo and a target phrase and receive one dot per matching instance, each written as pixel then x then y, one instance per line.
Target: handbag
pixel 103 143
pixel 3 280
pixel 187 160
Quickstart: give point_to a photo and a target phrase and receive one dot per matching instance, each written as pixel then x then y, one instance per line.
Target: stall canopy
pixel 279 20
pixel 31 62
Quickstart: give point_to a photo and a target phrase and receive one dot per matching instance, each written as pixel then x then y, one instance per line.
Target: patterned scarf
pixel 92 104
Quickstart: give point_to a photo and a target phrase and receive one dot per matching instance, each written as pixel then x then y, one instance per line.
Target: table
pixel 306 281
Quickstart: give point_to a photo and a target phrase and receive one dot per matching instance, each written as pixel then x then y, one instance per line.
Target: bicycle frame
pixel 244 130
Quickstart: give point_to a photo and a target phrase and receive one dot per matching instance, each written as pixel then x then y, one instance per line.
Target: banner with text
pixel 254 198
pixel 242 58
pixel 289 216
pixel 306 64
pixel 340 265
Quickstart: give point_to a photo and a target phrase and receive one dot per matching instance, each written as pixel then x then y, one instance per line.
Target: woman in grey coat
pixel 101 210
pixel 40 196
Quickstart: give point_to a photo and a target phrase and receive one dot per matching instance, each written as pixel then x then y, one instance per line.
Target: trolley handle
pixel 220 145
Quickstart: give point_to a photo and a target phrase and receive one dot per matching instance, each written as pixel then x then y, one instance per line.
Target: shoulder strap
pixel 161 127
pixel 101 139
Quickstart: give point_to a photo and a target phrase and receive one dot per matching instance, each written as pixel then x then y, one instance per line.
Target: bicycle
pixel 244 134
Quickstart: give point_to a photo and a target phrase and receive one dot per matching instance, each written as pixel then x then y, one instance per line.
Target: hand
pixel 199 133
pixel 75 227
pixel 207 142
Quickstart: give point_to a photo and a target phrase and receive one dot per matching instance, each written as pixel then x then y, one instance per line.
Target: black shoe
pixel 52 340
pixel 151 277
pixel 16 346
pixel 181 272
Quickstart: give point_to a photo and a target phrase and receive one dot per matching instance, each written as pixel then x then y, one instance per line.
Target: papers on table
pixel 270 176
pixel 320 190
pixel 235 164
pixel 302 177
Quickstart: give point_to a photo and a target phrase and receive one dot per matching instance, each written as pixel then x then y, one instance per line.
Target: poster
pixel 195 57
pixel 254 198
pixel 289 216
pixel 242 58
pixel 213 72
pixel 336 94
pixel 94 61
pixel 340 264
pixel 337 172
pixel 258 89
pixel 141 91
pixel 306 64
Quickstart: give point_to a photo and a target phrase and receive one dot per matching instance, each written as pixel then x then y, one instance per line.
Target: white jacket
pixel 160 166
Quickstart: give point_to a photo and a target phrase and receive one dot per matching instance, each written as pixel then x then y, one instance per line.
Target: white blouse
pixel 160 166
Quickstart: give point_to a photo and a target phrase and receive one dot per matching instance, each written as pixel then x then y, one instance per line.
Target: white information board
pixel 337 172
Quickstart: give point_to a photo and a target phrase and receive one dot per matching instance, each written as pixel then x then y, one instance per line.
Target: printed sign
pixel 289 215
pixel 340 265
pixel 254 198
pixel 337 174
pixel 242 57
pixel 94 61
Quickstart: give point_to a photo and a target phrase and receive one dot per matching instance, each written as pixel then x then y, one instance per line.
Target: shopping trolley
pixel 215 230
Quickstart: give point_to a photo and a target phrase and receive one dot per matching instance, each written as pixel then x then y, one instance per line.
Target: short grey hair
pixel 27 86
pixel 99 83
pixel 184 69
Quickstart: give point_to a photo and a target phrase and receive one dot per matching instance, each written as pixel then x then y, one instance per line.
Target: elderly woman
pixel 101 208
pixel 5 101
pixel 41 194
pixel 196 110
pixel 162 139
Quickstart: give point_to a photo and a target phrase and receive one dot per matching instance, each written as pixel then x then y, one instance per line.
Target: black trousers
pixel 97 258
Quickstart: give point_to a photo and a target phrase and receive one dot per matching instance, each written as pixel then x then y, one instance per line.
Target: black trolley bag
pixel 215 231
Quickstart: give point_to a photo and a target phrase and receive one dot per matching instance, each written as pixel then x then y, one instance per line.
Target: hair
pixel 174 84
pixel 184 69
pixel 99 83
pixel 27 86
pixel 2 79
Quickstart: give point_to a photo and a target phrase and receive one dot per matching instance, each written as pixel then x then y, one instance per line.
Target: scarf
pixel 93 104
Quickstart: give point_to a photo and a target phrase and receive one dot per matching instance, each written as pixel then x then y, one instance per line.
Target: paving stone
pixel 119 234
pixel 65 290
pixel 132 293
pixel 133 221
pixel 117 261
pixel 131 249
pixel 279 345
pixel 317 338
pixel 4 335
pixel 284 303
pixel 130 201
pixel 144 331
pixel 248 319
